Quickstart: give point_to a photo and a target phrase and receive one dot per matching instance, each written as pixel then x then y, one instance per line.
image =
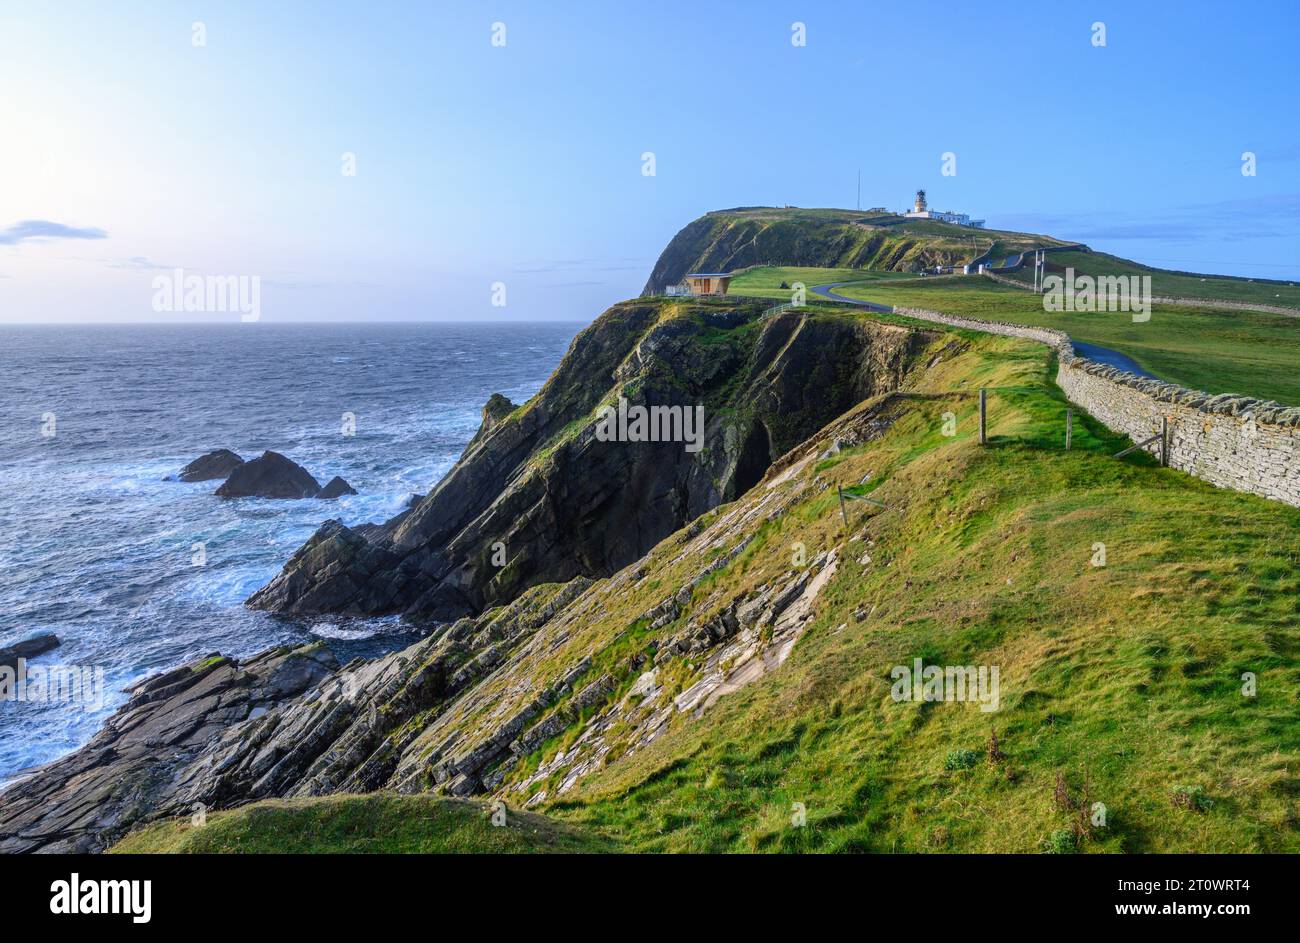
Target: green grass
pixel 381 823
pixel 1164 283
pixel 808 218
pixel 766 282
pixel 1124 680
pixel 1220 351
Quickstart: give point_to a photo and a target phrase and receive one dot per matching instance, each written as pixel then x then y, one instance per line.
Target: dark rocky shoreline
pixel 86 800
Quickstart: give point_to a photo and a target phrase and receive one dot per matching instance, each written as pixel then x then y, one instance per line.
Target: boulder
pixel 210 467
pixel 27 649
pixel 336 488
pixel 271 476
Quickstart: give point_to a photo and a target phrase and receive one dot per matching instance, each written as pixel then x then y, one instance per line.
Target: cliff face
pixel 537 497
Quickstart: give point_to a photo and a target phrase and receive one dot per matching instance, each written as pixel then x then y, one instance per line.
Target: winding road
pixel 1112 358
pixel 828 291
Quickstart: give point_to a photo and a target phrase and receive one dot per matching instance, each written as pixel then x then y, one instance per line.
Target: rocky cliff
pixel 538 498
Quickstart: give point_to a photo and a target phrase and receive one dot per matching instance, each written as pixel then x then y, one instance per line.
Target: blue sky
pixel 129 151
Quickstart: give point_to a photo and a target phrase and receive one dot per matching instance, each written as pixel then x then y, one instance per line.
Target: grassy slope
pixel 377 823
pixel 1224 351
pixel 1125 678
pixel 1171 284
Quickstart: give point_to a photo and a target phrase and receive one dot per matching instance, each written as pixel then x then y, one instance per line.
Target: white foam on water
pixel 354 630
pixel 228 586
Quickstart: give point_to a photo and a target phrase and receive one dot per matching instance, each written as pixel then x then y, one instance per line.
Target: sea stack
pixel 270 476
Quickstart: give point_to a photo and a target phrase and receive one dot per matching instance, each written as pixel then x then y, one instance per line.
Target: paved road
pixel 828 291
pixel 1112 358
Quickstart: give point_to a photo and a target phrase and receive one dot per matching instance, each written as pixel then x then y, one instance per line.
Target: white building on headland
pixel 922 211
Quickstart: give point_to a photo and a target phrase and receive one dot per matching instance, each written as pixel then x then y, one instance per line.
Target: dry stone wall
pixel 1232 441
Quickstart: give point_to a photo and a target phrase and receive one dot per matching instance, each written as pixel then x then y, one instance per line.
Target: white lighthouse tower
pixel 921 210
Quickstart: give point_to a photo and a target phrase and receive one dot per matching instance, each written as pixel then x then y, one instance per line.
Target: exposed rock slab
pixel 85 801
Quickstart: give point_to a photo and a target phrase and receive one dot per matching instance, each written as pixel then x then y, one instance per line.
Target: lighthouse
pixel 921 210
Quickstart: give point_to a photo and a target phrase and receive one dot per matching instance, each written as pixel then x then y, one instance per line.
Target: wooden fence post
pixel 983 416
pixel 1164 441
pixel 1069 428
pixel 843 513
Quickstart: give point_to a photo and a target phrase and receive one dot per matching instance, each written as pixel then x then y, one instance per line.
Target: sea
pixel 135 573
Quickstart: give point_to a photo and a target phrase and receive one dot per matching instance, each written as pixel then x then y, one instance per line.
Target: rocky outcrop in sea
pixel 270 476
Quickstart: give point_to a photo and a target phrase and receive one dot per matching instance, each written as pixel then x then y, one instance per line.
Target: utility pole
pixel 859 203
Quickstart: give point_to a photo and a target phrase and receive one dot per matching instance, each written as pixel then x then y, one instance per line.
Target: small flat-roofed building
pixel 708 283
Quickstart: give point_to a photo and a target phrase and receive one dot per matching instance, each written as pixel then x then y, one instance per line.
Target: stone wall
pixel 1231 305
pixel 1232 441
pixel 1044 335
